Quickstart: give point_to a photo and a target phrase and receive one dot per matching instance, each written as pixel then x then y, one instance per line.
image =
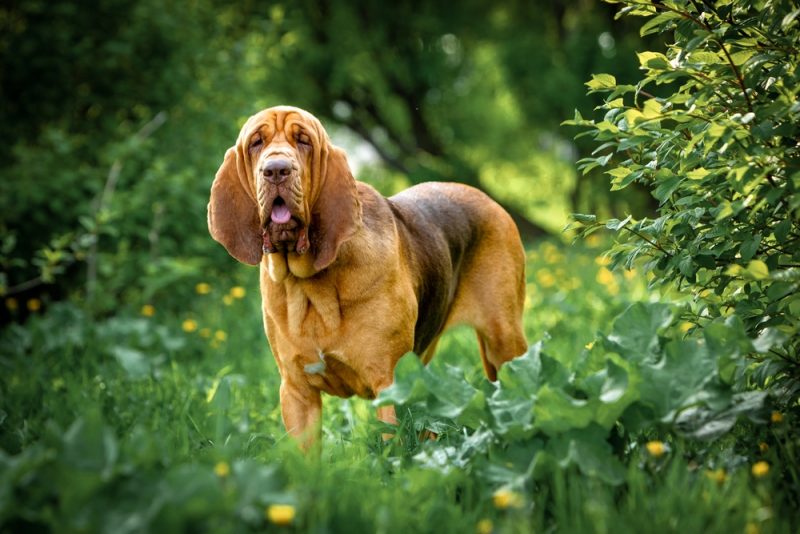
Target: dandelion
pixel 603 261
pixel 148 310
pixel 202 288
pixel 717 475
pixel 220 335
pixel 760 469
pixel 205 333
pixel 34 305
pixel 505 498
pixel 280 514
pixel 605 277
pixel 237 292
pixel 656 448
pixel 222 469
pixel 776 417
pixel 593 241
pixel 484 526
pixel 227 300
pixel 545 278
pixel 189 325
pixel 12 304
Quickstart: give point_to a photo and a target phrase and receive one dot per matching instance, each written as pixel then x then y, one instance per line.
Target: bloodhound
pixel 351 280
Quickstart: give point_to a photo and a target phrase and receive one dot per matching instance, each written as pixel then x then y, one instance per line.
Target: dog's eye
pixel 303 139
pixel 256 143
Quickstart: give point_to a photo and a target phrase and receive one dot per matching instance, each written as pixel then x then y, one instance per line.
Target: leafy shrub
pixel 719 152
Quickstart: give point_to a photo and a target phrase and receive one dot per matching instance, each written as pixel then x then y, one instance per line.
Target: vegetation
pixel 660 391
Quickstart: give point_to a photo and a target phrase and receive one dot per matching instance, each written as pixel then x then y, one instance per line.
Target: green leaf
pixel 678 378
pixel 600 82
pixel 584 218
pixel 660 23
pixel 697 174
pixel 409 383
pixel 758 270
pixel 666 187
pixel 634 334
pixel 133 361
pixel 653 60
pixel 589 450
pixel 728 340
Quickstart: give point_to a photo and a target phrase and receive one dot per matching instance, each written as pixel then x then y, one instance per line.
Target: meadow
pixel 165 417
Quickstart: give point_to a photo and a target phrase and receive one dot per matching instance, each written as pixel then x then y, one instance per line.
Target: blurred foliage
pixel 116 115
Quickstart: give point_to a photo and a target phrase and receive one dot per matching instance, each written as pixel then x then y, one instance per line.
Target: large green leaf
pixel 635 332
pixel 588 450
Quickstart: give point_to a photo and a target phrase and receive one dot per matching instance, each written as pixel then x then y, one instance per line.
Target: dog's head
pixel 284 189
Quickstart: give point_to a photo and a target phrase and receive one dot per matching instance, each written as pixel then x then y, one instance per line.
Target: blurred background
pixel 116 114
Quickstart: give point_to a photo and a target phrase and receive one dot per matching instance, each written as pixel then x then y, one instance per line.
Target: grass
pixel 165 417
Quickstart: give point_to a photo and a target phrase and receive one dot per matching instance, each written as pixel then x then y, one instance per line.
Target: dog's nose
pixel 276 170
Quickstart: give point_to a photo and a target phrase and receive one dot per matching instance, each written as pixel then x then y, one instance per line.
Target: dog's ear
pixel 232 214
pixel 337 208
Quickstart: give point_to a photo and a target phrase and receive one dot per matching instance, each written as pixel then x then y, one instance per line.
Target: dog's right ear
pixel 232 214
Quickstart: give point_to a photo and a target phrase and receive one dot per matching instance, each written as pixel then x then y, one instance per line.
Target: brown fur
pixel 354 280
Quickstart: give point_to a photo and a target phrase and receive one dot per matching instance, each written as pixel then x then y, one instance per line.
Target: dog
pixel 350 280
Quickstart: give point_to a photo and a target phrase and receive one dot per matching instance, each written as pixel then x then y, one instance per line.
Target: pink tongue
pixel 280 214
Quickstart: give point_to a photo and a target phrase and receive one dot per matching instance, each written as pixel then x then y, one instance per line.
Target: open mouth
pixel 280 213
pixel 283 232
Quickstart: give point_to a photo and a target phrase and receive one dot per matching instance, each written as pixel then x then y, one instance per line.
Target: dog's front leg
pixel 301 407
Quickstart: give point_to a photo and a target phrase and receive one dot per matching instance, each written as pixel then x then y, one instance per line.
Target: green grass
pixel 169 421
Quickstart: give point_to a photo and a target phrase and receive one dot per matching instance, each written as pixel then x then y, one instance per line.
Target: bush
pixel 719 152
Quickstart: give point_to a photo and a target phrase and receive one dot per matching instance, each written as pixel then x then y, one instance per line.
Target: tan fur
pixel 379 277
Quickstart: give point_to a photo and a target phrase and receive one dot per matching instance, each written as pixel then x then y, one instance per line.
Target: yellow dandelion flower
pixel 205 332
pixel 148 310
pixel 280 514
pixel 505 498
pixel 760 469
pixel 222 469
pixel 34 305
pixel 593 241
pixel 220 335
pixel 189 325
pixel 545 278
pixel 613 289
pixel 484 526
pixel 202 288
pixel 605 277
pixel 227 300
pixel 717 475
pixel 603 261
pixel 656 448
pixel 763 447
pixel 776 417
pixel 12 304
pixel 237 292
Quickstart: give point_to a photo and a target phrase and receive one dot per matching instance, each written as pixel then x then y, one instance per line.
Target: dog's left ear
pixel 232 214
pixel 337 208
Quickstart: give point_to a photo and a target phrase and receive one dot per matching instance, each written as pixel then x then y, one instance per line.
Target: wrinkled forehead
pixel 284 120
